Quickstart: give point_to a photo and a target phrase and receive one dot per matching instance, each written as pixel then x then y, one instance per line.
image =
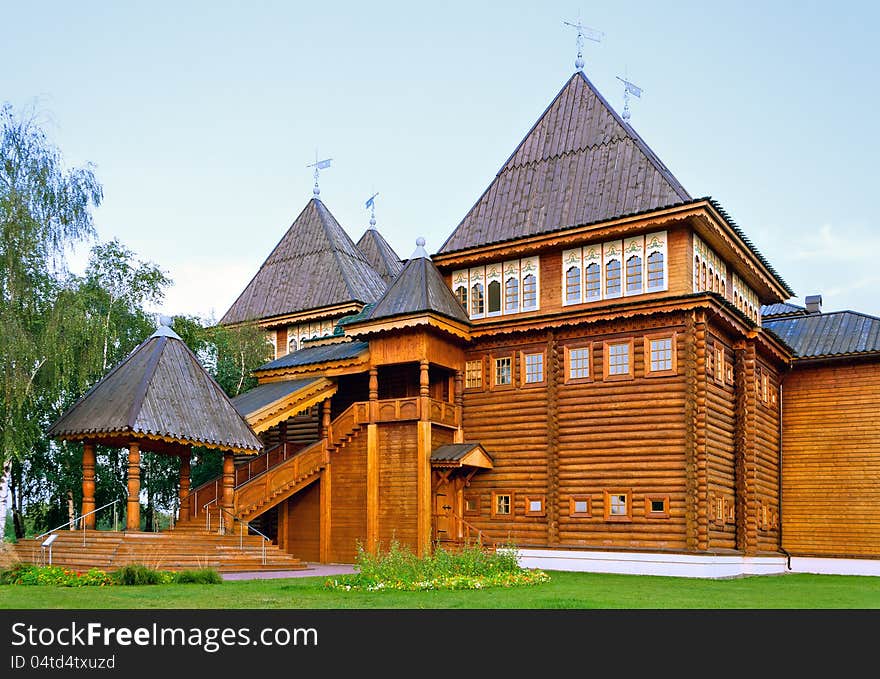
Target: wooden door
pixel 443 519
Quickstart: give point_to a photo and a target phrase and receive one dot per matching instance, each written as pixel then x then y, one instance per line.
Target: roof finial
pixel 371 203
pixel 318 165
pixel 583 32
pixel 629 88
pixel 167 321
pixel 420 249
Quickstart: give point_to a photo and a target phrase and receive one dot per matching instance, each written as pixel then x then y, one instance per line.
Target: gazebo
pixel 158 400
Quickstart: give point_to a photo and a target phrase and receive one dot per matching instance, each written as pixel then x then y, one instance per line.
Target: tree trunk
pixel 5 479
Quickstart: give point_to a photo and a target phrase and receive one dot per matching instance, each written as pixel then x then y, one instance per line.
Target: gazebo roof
pixel 158 395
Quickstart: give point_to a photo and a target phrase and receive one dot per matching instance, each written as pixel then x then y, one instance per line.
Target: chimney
pixel 814 304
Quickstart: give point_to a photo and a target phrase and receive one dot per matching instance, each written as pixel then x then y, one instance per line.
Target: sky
pixel 199 119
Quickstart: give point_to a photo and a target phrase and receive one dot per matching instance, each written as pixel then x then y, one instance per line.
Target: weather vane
pixel 371 205
pixel 629 88
pixel 318 165
pixel 583 32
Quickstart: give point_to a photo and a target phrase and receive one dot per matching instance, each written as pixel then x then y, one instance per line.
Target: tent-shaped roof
pixel 159 393
pixel 579 164
pixel 314 265
pixel 419 288
pixel 380 254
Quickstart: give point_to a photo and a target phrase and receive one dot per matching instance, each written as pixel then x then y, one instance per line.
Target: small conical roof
pixel 314 265
pixel 580 163
pixel 380 254
pixel 159 392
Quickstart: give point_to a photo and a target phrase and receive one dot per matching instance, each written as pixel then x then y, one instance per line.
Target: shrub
pixel 138 574
pixel 29 574
pixel 201 576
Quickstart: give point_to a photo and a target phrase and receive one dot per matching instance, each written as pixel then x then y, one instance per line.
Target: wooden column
pixel 459 407
pixel 227 497
pixel 745 467
pixel 133 513
pixel 423 483
pixel 701 446
pixel 88 487
pixel 325 418
pixel 325 528
pixel 184 484
pixel 373 464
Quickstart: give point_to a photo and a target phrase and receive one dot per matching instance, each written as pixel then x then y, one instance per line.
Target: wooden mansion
pixel 595 367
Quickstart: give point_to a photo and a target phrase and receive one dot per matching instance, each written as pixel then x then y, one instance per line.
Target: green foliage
pixel 28 574
pixel 201 576
pixel 138 574
pixel 471 567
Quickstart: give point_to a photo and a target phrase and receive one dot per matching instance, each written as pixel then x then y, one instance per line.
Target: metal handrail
pixel 208 514
pixel 244 524
pixel 82 516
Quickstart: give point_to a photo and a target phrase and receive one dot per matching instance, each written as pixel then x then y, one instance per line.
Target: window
pixel 578 363
pixel 657 506
pixel 471 504
pixel 502 504
pixel 765 387
pixel 617 505
pixel 477 299
pixel 655 271
pixel 495 297
pixel 618 359
pixel 535 505
pixel 503 372
pixel 511 296
pixel 612 278
pixel 634 274
pixel 530 292
pixel 593 282
pixel 719 510
pixel 660 356
pixel 533 368
pixel 719 364
pixel 573 285
pixel 291 345
pixel 461 295
pixel 580 506
pixel 473 374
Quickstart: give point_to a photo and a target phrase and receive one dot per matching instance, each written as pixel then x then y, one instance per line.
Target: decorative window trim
pixel 568 379
pixel 475 499
pixel 729 511
pixel 718 509
pixel 720 362
pixel 511 506
pixel 523 368
pixel 608 377
pixel 650 512
pixel 572 260
pixel 573 501
pixel 620 518
pixel 482 374
pixel 536 512
pixel 647 357
pixel 493 369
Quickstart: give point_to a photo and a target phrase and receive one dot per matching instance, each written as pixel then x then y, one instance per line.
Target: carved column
pixel 374 394
pixel 88 487
pixel 423 488
pixel 228 489
pixel 133 514
pixel 459 406
pixel 373 464
pixel 184 484
pixel 325 418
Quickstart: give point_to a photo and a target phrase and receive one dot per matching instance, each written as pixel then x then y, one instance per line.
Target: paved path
pixel 312 570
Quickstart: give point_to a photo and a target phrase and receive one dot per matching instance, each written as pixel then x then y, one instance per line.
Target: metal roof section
pixel 457 455
pixel 828 335
pixel 319 354
pixel 380 255
pixel 769 311
pixel 266 405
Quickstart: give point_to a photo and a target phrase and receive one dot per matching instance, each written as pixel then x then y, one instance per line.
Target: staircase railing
pixel 469 533
pixel 73 522
pixel 348 421
pixel 244 528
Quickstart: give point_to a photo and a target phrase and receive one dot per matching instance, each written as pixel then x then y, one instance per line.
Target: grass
pixel 565 590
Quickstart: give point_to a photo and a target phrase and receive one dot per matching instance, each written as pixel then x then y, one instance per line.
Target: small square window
pixel 657 506
pixel 471 504
pixel 535 505
pixel 502 504
pixel 580 506
pixel 533 368
pixel 659 356
pixel 473 374
pixel 617 505
pixel 618 360
pixel 503 371
pixel 578 367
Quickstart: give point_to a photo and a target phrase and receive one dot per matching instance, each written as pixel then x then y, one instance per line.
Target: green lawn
pixel 565 590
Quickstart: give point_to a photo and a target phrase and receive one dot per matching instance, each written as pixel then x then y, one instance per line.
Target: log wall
pixel 397 485
pixel 303 521
pixel 348 499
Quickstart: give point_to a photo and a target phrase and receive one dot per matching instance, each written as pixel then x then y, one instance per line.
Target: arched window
pixel 634 274
pixel 717 287
pixel 593 281
pixel 291 345
pixel 511 295
pixel 461 294
pixel 530 292
pixel 494 295
pixel 723 289
pixel 573 285
pixel 703 278
pixel 612 278
pixel 655 271
pixel 477 303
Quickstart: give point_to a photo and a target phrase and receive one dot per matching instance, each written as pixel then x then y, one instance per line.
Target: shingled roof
pixel 419 288
pixel 159 392
pixel 319 354
pixel 828 335
pixel 314 265
pixel 580 163
pixel 380 254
